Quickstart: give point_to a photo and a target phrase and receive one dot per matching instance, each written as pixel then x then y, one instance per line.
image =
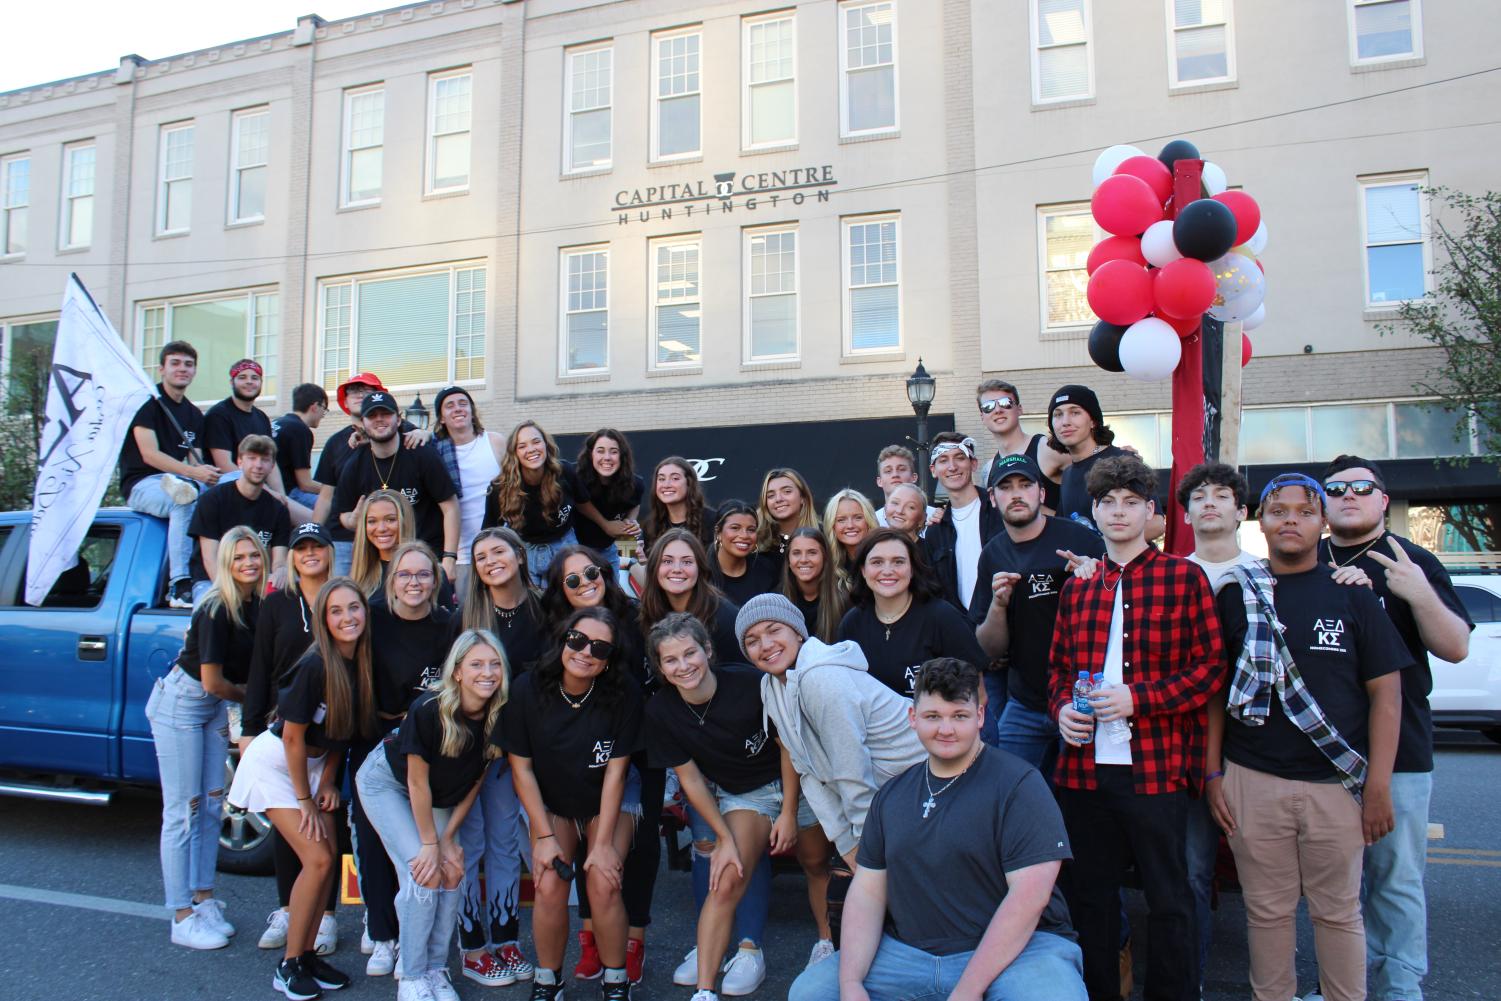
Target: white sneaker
pixel 417 989
pixel 382 960
pixel 211 913
pixel 686 975
pixel 367 944
pixel 194 933
pixel 744 972
pixel 328 936
pixel 440 985
pixel 178 490
pixel 705 996
pixel 822 950
pixel 275 935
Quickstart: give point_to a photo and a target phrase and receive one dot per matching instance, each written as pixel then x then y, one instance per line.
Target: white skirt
pixel 262 781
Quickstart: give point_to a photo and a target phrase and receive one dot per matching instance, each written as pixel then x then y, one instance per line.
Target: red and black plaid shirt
pixel 1172 658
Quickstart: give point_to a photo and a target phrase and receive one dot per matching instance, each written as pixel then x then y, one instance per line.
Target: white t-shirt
pixel 1219 573
pixel 477 467
pixel 967 543
pixel 1106 750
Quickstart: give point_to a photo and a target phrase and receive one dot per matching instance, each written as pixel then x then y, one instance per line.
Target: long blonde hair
pixel 510 494
pixel 226 591
pixel 835 547
pixel 413 546
pixel 768 532
pixel 366 566
pixel 345 719
pixel 294 579
pixel 455 735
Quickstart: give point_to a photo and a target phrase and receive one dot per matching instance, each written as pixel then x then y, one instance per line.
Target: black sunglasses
pixel 999 403
pixel 1361 488
pixel 573 580
pixel 598 649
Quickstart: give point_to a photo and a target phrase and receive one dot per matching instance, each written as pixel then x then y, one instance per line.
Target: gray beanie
pixel 768 607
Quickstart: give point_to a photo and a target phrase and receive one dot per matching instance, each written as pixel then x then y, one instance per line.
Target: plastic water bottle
pixel 1118 730
pixel 1082 688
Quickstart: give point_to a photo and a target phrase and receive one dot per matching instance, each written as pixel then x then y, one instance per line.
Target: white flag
pixel 95 388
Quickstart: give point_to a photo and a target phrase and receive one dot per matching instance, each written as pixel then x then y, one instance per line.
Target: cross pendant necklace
pixel 928 806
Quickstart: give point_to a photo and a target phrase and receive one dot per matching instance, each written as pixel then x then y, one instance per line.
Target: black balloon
pixel 1204 230
pixel 1105 346
pixel 1178 149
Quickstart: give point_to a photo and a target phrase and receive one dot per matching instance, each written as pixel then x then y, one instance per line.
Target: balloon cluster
pixel 1155 277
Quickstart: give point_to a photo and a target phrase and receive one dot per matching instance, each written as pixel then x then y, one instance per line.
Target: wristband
pixel 430 844
pixel 304 798
pixel 1214 775
pixel 544 837
pixel 448 555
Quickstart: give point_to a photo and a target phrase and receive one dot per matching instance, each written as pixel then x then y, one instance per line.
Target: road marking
pixel 1465 861
pixel 1464 851
pixel 85 902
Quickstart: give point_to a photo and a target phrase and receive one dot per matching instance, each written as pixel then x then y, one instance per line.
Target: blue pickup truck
pixel 75 673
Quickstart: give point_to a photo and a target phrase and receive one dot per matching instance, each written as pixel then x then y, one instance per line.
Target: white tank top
pixel 477 467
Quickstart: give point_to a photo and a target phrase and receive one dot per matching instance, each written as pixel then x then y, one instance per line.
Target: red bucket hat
pixel 358 379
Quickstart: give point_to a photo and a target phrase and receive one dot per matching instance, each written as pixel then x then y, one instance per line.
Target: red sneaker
pixel 589 966
pixel 635 959
pixel 487 970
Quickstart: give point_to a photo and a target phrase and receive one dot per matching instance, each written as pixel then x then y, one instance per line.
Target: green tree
pixel 25 412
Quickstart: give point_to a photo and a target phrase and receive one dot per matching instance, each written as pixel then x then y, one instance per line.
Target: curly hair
pixel 510 490
pixel 609 684
pixel 616 491
pixel 555 603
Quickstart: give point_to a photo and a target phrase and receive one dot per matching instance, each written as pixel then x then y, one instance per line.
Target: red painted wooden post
pixel 1188 385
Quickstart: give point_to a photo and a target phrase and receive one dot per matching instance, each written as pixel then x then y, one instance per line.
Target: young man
pixel 1079 432
pixel 1428 615
pixel 953 544
pixel 293 434
pixel 896 466
pixel 472 457
pixel 242 501
pixel 1015 605
pixel 1146 622
pixel 1001 412
pixel 956 894
pixel 229 421
pixel 162 466
pixel 1309 737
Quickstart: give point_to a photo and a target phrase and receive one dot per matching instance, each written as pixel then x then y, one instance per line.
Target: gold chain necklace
pixel 384 480
pixel 1337 564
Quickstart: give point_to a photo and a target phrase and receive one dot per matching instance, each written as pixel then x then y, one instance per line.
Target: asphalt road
pixel 66 946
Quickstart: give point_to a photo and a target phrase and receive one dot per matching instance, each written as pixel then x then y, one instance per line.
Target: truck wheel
pixel 244 838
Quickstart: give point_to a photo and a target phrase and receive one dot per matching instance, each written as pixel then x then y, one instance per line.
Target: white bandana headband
pixel 967 445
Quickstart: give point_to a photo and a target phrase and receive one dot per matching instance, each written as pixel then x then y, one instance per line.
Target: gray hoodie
pixel 846 733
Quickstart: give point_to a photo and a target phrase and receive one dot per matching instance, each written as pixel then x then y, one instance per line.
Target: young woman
pixel 677 501
pixel 847 519
pixel 472 456
pixel 813 584
pixel 290 772
pixel 283 633
pixel 417 793
pixel 579 578
pixel 786 505
pixel 383 521
pixel 607 472
pixel 738 570
pixel 907 509
pixel 189 714
pixel 537 495
pixel 502 599
pixel 676 581
pixel 570 727
pixel 900 618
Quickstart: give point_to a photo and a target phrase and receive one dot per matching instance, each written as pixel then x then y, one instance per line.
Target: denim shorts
pixel 766 800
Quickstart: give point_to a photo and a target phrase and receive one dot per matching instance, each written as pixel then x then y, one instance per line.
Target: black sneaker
pixel 327 977
pixel 619 991
pixel 295 982
pixel 180 593
pixel 547 992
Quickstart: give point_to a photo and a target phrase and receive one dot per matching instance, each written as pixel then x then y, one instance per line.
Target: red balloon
pixel 1183 288
pixel 1115 248
pixel 1185 328
pixel 1120 292
pixel 1245 350
pixel 1151 170
pixel 1125 205
pixel 1247 213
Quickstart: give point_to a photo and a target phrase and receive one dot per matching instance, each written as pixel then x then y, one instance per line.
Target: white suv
pixel 1468 694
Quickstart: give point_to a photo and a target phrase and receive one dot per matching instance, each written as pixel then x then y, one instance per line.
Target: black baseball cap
pixel 311 530
pixel 1012 465
pixel 378 401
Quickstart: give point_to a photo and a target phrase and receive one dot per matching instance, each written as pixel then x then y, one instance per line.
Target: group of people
pixel 965 722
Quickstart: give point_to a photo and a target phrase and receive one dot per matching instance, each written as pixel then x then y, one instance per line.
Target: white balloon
pixel 1258 239
pixel 1157 244
pixel 1150 350
pixel 1255 320
pixel 1106 162
pixel 1239 287
pixel 1214 178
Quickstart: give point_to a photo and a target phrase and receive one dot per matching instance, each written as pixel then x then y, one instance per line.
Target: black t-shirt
pixel 406 656
pixel 534 526
pixel 569 748
pixel 520 630
pixel 418 473
pixel 294 447
pixel 154 416
pixel 725 738
pixel 946 873
pixel 1415 746
pixel 1340 639
pixel 1033 608
pixel 421 733
pixel 301 700
pixel 222 507
pixel 929 629
pixel 810 613
pixel 213 638
pixel 283 633
pixel 722 630
pixel 331 462
pixel 590 534
pixel 1074 503
pixel 763 575
pixel 226 425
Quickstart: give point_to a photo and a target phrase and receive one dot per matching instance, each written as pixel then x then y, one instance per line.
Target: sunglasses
pixel 1361 488
pixel 999 403
pixel 573 580
pixel 598 649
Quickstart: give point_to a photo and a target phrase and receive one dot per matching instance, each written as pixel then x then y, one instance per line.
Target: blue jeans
pixel 1027 734
pixel 1201 850
pixel 201 588
pixel 995 704
pixel 306 498
pixel 754 906
pixel 343 558
pixel 491 832
pixel 1395 908
pixel 1049 967
pixel 539 555
pixel 191 730
pixel 148 497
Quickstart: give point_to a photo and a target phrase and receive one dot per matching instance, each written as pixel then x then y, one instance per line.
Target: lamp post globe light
pixel 921 388
pixel 418 414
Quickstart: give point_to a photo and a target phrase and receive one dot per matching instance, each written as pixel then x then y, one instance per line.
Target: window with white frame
pixel 1395 213
pixel 872 285
pixel 224 327
pixel 417 328
pixel 771 295
pixel 676 117
pixel 1201 41
pixel 15 199
pixel 364 146
pixel 677 300
pixel 250 151
pixel 174 211
pixel 1385 30
pixel 1065 235
pixel 25 362
pixel 588 124
pixel 868 62
pixel 77 229
pixel 585 337
pixel 1062 64
pixel 449 101
pixel 770 102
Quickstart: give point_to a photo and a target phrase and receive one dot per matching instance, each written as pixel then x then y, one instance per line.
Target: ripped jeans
pixel 191 730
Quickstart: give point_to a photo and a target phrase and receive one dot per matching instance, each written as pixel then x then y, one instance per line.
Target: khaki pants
pixel 1297 838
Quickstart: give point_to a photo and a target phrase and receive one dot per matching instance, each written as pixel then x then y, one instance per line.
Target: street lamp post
pixel 920 390
pixel 418 414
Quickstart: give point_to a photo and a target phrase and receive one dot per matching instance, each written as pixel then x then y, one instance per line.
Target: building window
pixel 250 149
pixel 416 328
pixel 1423 430
pixel 448 102
pixel 224 327
pixel 26 354
pixel 868 64
pixel 364 146
pixel 175 200
pixel 1062 66
pixel 588 128
pixel 1385 30
pixel 77 228
pixel 771 295
pixel 770 104
pixel 1201 41
pixel 1065 235
pixel 15 187
pixel 1274 434
pixel 1355 429
pixel 872 299
pixel 676 129
pixel 586 311
pixel 1395 212
pixel 676 316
